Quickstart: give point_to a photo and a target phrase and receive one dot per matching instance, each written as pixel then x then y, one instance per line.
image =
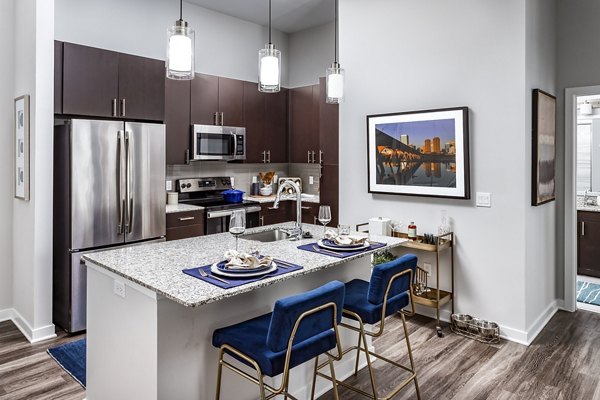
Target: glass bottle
pixel 412 231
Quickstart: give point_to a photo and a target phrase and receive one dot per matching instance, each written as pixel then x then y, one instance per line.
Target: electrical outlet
pixel 119 288
pixel 311 180
pixel 232 182
pixel 169 186
pixel 427 268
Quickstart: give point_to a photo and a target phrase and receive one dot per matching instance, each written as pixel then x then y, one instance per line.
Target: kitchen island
pixel 150 326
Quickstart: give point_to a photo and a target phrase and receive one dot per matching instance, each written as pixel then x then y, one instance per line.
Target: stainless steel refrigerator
pixel 109 192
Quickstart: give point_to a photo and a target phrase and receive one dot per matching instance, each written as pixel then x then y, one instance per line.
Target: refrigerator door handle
pixel 128 196
pixel 120 199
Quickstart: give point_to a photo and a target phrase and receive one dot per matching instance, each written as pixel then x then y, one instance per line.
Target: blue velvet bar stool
pixel 300 328
pixel 388 292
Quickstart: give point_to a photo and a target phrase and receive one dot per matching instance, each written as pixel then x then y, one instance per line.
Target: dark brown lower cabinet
pixel 588 239
pixel 270 216
pixel 185 225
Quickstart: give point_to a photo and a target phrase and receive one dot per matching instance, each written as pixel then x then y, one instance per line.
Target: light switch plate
pixel 119 288
pixel 232 182
pixel 169 186
pixel 484 199
pixel 311 180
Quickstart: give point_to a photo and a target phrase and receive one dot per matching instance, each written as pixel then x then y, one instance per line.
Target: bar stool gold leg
pixel 261 387
pixel 314 380
pixel 333 379
pixel 366 350
pixel 219 375
pixel 410 357
pixel 357 355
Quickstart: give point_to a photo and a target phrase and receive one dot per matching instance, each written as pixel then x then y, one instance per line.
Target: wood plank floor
pixel 562 364
pixel 28 372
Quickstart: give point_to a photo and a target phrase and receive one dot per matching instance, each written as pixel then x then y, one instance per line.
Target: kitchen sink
pixel 267 236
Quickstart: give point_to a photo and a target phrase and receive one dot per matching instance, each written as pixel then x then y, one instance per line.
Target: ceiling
pixel 288 15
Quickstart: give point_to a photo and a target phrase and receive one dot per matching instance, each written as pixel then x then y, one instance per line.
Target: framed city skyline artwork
pixel 420 153
pixel 543 180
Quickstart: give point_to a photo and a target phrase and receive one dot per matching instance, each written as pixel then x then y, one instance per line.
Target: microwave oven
pixel 223 143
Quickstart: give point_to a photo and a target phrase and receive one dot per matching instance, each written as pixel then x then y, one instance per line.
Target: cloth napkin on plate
pixel 345 240
pixel 237 260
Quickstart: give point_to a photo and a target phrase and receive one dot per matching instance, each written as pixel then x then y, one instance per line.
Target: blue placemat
pixel 235 282
pixel 314 247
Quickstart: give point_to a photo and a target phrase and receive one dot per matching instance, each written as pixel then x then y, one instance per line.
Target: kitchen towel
pixel 235 282
pixel 314 247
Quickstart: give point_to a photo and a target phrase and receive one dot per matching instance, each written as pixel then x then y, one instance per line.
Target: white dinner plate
pixel 365 245
pixel 217 271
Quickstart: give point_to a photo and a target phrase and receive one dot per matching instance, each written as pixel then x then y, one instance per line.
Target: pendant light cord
pixel 270 22
pixel 181 10
pixel 335 46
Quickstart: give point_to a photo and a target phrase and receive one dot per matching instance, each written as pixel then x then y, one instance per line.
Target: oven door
pixel 213 143
pixel 218 221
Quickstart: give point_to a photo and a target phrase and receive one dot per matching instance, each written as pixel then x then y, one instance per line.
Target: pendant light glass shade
pixel 335 84
pixel 269 69
pixel 334 76
pixel 180 50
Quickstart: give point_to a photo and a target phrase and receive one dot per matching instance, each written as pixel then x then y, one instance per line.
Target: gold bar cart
pixel 433 297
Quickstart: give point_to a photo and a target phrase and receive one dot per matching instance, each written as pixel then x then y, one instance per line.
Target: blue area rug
pixel 71 357
pixel 588 293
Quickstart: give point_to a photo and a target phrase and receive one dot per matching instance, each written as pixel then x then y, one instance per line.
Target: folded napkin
pixel 344 240
pixel 237 260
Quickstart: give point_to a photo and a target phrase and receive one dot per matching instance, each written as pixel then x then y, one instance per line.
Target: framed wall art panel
pixel 543 146
pixel 21 146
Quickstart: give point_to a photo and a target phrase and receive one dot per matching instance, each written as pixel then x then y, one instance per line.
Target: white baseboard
pixel 32 335
pixel 542 320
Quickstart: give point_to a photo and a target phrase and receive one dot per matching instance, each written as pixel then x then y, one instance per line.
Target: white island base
pixel 145 346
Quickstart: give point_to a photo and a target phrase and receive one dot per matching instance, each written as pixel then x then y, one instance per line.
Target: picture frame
pixel 543 180
pixel 420 153
pixel 21 148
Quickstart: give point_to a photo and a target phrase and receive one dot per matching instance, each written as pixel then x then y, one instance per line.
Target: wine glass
pixel 237 224
pixel 324 216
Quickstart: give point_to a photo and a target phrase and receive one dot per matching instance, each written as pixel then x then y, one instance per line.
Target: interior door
pixel 96 155
pixel 145 181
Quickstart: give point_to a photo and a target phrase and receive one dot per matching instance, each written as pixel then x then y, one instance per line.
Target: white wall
pixel 540 222
pixel 7 12
pixel 405 55
pixel 311 53
pixel 32 221
pixel 225 46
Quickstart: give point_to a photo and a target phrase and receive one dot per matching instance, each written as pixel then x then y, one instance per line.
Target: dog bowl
pixel 487 329
pixel 462 320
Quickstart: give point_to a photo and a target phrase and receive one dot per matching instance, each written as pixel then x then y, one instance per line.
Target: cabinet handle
pixel 114 107
pixel 264 159
pixel 313 157
pixel 320 156
pixel 305 208
pixel 582 228
pixel 262 221
pixel 308 157
pixel 122 107
pixel 186 218
pixel 222 118
pixel 269 154
pixel 216 118
pixel 314 220
pixel 187 156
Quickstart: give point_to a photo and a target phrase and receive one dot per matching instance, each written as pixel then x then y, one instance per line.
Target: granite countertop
pixel 159 266
pixel 584 207
pixel 177 208
pixel 306 198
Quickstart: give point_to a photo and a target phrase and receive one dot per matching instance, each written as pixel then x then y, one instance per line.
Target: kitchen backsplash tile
pixel 305 171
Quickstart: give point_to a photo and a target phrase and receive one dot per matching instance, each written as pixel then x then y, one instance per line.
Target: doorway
pixel 582 188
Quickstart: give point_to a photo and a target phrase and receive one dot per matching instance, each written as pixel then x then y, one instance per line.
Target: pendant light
pixel 269 65
pixel 180 49
pixel 335 74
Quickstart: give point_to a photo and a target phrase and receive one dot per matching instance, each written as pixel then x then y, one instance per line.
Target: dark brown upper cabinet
pixel 328 129
pixel 141 88
pixel 276 131
pixel 58 70
pixel 102 83
pixel 217 101
pixel 177 120
pixel 231 99
pixel 304 138
pixel 205 99
pixel 90 81
pixel 254 122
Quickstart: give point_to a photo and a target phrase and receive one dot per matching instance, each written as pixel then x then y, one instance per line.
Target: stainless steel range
pixel 206 192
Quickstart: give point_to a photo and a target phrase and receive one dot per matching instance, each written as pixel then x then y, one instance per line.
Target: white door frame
pixel 570 210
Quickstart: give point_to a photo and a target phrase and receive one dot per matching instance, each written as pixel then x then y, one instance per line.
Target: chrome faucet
pixel 296 231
